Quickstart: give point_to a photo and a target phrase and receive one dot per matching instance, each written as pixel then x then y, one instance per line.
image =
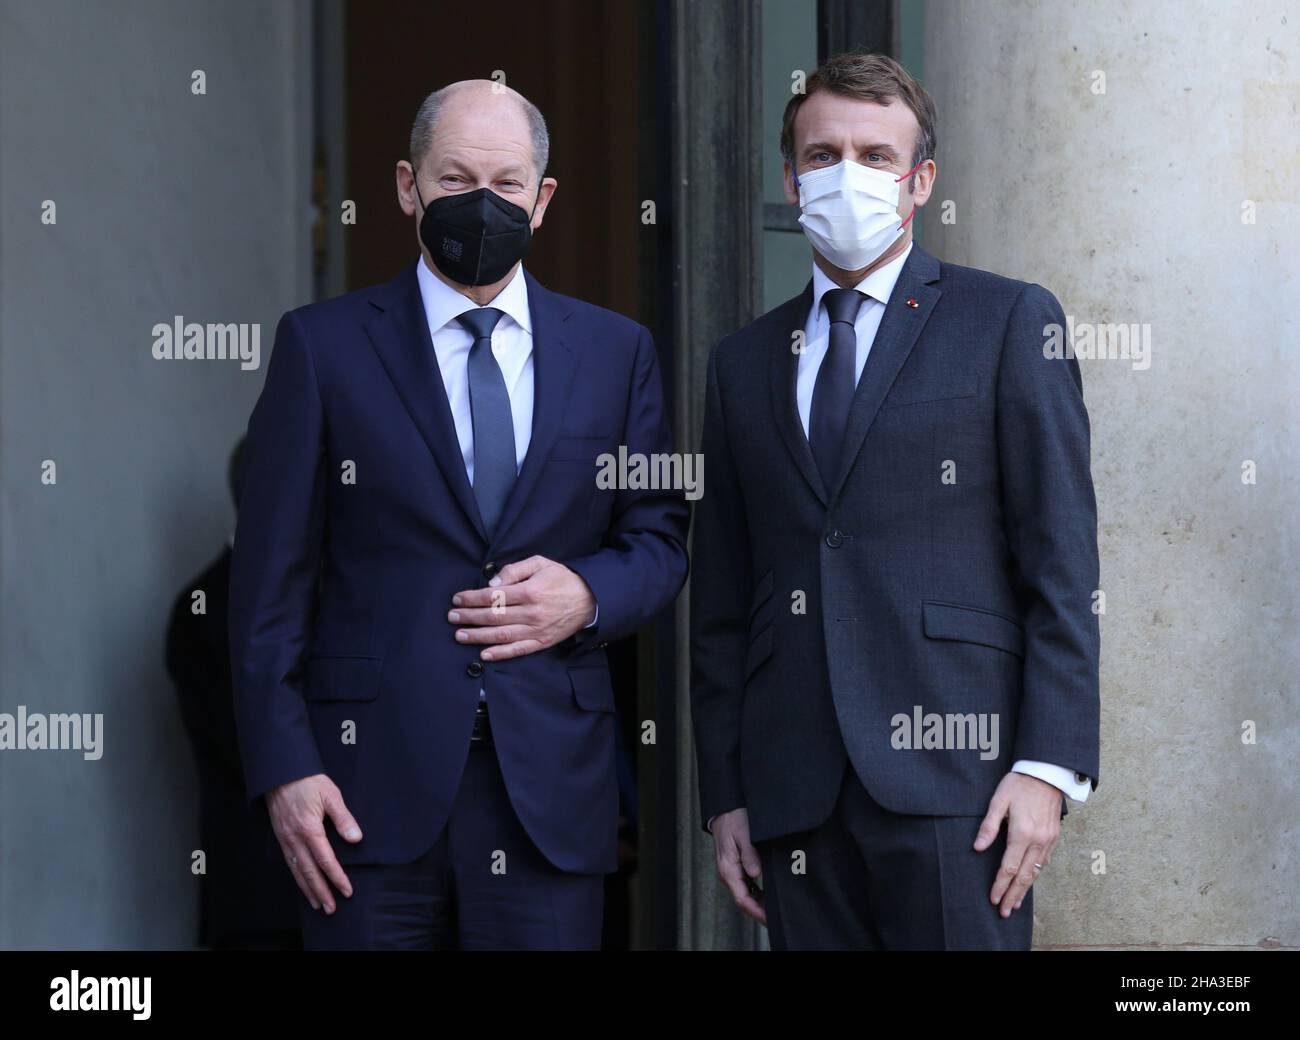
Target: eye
pixel 876 157
pixel 823 157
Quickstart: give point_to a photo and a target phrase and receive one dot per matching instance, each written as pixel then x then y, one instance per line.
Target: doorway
pixel 589 66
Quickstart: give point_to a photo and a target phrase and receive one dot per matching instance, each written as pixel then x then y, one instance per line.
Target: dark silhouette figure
pixel 247 896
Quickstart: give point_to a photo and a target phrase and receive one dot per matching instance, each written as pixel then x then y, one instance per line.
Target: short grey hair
pixel 427 117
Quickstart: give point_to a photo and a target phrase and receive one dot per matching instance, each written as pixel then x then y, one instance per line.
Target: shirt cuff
pixel 593 621
pixel 1058 776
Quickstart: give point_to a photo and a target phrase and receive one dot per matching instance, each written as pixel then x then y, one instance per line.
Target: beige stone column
pixel 1141 161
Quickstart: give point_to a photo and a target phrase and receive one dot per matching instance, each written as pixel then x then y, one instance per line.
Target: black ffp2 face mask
pixel 474 238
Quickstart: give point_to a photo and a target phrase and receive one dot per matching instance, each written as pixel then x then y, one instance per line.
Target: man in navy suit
pixel 894 649
pixel 426 573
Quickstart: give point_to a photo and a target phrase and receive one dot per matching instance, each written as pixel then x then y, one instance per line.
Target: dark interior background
pixel 584 79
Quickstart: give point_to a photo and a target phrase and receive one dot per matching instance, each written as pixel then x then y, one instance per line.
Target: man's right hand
pixel 298 810
pixel 737 859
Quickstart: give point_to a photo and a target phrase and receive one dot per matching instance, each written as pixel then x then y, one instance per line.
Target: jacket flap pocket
pixel 760 649
pixel 342 678
pixel 592 688
pixel 964 384
pixel 762 593
pixel 973 625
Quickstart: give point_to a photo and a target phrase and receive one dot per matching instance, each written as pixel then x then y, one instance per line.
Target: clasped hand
pixel 529 606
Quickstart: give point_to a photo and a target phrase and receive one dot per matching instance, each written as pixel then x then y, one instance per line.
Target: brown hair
pixel 870 77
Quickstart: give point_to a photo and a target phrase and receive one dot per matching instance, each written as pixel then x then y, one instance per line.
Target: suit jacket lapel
pixel 554 365
pixel 789 318
pixel 399 333
pixel 899 328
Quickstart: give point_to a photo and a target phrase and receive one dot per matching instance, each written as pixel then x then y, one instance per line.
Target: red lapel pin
pixel 911 302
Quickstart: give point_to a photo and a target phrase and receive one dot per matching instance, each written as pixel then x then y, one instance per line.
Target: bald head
pixel 479 108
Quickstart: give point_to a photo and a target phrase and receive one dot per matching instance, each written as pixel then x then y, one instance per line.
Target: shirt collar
pixel 878 284
pixel 442 303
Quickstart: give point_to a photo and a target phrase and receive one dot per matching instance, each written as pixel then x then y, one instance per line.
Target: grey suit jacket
pixel 947 571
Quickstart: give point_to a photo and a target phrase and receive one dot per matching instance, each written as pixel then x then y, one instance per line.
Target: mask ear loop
pixel 415 183
pixel 536 201
pixel 898 180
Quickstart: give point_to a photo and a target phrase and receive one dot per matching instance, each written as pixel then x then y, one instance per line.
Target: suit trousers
pixel 482 885
pixel 871 879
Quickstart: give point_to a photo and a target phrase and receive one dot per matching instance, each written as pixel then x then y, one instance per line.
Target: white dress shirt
pixel 512 346
pixel 817 329
pixel 878 286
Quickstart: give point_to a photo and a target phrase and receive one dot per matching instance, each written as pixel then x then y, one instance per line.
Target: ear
pixel 406 188
pixel 925 176
pixel 791 192
pixel 544 193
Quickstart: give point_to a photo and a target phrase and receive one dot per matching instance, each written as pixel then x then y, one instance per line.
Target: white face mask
pixel 850 212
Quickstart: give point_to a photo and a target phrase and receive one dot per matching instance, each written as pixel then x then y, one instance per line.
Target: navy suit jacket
pixel 357 524
pixel 950 565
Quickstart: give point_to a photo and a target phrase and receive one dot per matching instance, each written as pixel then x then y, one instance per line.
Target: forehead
pixel 482 129
pixel 834 118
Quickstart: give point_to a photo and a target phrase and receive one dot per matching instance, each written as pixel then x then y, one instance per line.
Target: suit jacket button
pixel 489 569
pixel 475 669
pixel 835 539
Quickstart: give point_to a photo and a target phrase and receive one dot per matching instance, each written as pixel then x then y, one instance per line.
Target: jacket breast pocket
pixel 923 391
pixel 339 678
pixel 973 625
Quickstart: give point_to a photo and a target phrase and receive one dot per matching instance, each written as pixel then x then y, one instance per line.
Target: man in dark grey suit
pixel 894 646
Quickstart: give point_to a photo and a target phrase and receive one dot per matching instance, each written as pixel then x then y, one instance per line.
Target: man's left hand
pixel 1032 808
pixel 529 606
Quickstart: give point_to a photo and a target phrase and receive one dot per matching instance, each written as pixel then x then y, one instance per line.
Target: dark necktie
pixel 494 427
pixel 833 391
